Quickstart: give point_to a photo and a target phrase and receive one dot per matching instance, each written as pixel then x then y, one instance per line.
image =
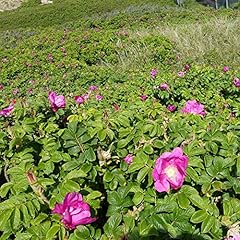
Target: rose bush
pixel 90 150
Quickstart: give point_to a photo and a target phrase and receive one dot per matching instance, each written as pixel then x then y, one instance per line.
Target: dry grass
pixel 205 42
pixel 9 4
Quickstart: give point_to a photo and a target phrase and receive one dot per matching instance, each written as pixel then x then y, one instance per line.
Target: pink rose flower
pixel 56 101
pixel 74 211
pixel 225 68
pixel 170 170
pixel 15 91
pixel 143 98
pixel 154 73
pixel 181 74
pixel 164 86
pixel 99 97
pixel 116 107
pixel 6 112
pixel 128 159
pixel 171 108
pixel 233 233
pixel 79 99
pixel 86 96
pixel 236 82
pixel 187 67
pixel 194 107
pixel 93 88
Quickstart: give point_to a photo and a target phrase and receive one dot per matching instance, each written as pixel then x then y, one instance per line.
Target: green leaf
pixel 207 224
pixel 148 149
pixel 108 176
pixel 26 216
pixel 138 198
pixel 142 174
pixel 122 143
pixel 90 155
pixel 183 201
pixel 16 218
pixel 159 144
pixel 197 201
pixel 114 221
pixel 144 227
pixel 102 134
pixel 41 217
pixel 129 222
pixel 76 174
pixel 82 232
pixel 93 195
pixel 52 231
pixel 71 186
pixel 5 216
pixel 192 174
pixel 114 198
pixel 5 188
pixel 199 216
pixel 238 167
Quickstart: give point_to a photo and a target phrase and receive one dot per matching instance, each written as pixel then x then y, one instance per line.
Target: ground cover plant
pixel 112 130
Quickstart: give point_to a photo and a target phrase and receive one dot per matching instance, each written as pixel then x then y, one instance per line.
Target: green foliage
pixel 45 154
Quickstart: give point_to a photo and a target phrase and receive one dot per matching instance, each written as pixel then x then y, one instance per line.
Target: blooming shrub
pixel 113 156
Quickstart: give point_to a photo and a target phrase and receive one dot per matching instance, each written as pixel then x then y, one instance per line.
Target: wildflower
pixel 171 108
pixel 236 82
pixel 143 98
pixel 56 101
pixel 74 211
pixel 93 88
pixel 181 74
pixel 128 159
pixel 164 86
pixel 225 68
pixel 99 97
pixel 154 73
pixel 79 99
pixel 6 112
pixel 170 170
pixel 194 107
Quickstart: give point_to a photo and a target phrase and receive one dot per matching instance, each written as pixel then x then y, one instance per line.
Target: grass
pixel 199 34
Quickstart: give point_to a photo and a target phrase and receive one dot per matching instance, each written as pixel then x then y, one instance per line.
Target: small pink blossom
pixel 233 233
pixel 181 74
pixel 93 88
pixel 50 58
pixel 236 82
pixel 194 107
pixel 187 67
pixel 30 91
pixel 116 107
pixel 225 69
pixel 79 99
pixel 170 170
pixel 31 81
pixel 164 86
pixel 143 98
pixel 56 101
pixel 73 211
pixel 86 96
pixel 154 73
pixel 128 159
pixel 171 108
pixel 99 97
pixel 1 87
pixel 6 112
pixel 15 91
